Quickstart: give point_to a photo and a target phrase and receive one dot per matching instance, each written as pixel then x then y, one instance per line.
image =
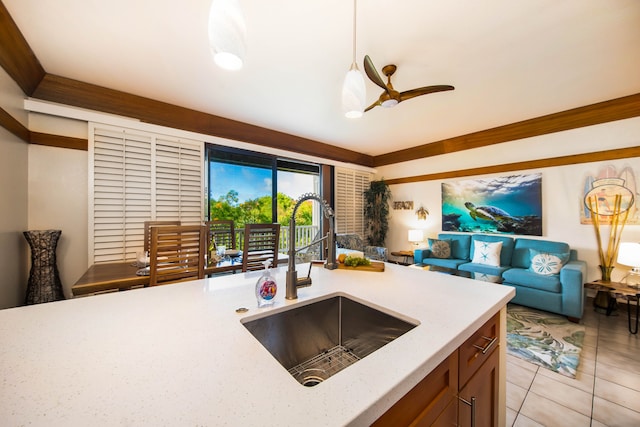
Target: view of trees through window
pixel 242 186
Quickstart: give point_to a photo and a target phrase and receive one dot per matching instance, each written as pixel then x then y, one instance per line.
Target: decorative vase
pixel 606 272
pixel 44 280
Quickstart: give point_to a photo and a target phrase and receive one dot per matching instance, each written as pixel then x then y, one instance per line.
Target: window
pixel 135 176
pixel 250 187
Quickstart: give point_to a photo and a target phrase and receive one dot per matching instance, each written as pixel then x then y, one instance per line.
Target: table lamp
pixel 416 236
pixel 629 254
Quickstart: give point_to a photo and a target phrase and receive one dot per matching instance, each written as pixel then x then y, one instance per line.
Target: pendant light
pixel 353 89
pixel 227 34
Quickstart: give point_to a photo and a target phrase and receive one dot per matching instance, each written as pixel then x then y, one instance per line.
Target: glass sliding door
pixel 249 187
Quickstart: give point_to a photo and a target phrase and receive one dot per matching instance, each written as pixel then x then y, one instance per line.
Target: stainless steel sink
pixel 316 340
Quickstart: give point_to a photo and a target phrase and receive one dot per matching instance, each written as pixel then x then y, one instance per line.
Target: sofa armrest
pixel 572 276
pixel 376 253
pixel 420 254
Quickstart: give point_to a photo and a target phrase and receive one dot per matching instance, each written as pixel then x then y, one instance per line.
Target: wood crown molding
pixel 599 156
pixel 16 57
pixel 84 95
pixel 15 127
pixel 601 112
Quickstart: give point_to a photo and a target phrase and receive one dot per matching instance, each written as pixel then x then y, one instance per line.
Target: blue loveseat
pixel 509 260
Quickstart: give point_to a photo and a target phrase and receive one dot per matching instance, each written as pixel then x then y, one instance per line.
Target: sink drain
pixel 311 377
pixel 321 367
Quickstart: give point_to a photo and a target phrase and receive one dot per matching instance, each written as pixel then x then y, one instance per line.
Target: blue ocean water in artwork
pixel 503 205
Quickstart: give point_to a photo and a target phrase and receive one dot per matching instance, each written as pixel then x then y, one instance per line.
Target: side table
pixel 405 254
pixel 622 290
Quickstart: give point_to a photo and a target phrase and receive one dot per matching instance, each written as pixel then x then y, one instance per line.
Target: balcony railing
pixel 305 234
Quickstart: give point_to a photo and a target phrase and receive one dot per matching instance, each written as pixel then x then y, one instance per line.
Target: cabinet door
pixel 479 348
pixel 478 400
pixel 422 405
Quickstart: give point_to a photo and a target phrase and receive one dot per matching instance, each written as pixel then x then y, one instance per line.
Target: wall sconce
pixel 416 236
pixel 422 214
pixel 629 254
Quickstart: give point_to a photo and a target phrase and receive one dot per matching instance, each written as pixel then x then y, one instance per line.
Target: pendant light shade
pixel 353 90
pixel 353 93
pixel 227 34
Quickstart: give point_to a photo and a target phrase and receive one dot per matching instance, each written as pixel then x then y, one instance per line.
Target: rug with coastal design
pixel 545 339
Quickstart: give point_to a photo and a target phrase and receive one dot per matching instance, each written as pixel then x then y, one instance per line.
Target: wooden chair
pixel 260 244
pixel 177 253
pixel 147 231
pixel 221 232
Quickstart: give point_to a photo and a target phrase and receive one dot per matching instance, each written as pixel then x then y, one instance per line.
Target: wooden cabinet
pixel 478 377
pixel 463 390
pixel 426 401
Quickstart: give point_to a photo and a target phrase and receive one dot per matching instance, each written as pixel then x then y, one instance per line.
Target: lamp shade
pixel 416 235
pixel 353 93
pixel 629 254
pixel 227 34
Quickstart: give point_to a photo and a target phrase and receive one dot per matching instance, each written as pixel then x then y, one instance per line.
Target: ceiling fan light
pixel 389 103
pixel 353 93
pixel 227 34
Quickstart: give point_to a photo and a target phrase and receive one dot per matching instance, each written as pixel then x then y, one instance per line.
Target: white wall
pixel 13 220
pixel 13 200
pixel 58 194
pixel 562 187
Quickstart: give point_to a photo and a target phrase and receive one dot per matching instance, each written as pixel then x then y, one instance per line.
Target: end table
pixel 405 254
pixel 622 290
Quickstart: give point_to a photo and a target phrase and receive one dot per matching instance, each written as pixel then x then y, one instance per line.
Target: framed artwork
pixel 508 204
pixel 600 190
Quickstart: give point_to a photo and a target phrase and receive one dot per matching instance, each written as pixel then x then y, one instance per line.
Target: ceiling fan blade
pixel 375 104
pixel 408 94
pixel 372 73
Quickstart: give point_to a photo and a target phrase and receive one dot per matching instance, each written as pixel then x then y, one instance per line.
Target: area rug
pixel 545 339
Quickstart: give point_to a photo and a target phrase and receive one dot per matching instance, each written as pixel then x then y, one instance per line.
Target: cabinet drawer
pixel 423 404
pixel 478 348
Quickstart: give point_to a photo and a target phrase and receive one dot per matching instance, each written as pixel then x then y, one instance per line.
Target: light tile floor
pixel 605 392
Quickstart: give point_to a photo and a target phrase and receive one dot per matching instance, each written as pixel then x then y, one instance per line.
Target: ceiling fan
pixel 391 97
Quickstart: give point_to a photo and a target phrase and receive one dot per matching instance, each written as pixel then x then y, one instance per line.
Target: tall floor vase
pixel 44 280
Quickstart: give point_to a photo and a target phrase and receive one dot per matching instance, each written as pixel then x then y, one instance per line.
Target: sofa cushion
pixel 522 257
pixel 528 279
pixel 460 245
pixel 507 245
pixel 487 253
pixel 440 248
pixel 546 263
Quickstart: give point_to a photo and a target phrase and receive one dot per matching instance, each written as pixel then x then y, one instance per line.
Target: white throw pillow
pixel 487 253
pixel 546 263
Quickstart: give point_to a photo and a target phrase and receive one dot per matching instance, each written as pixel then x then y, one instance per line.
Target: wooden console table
pixel 405 254
pixel 615 290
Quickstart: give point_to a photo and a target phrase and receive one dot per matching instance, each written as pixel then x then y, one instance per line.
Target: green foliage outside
pixel 259 210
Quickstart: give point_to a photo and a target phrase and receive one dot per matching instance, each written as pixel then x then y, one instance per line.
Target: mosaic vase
pixel 44 280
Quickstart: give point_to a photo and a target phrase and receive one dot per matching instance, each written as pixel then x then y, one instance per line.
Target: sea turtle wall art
pixel 507 204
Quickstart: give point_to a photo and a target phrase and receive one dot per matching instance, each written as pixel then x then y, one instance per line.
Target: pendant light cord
pixel 354 31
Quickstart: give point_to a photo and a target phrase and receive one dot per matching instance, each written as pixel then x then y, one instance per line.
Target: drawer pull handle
pixel 490 344
pixel 473 409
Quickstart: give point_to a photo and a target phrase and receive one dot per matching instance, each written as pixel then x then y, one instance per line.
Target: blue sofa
pixel 536 287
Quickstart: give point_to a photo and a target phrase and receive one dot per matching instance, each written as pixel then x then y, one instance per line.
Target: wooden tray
pixel 375 266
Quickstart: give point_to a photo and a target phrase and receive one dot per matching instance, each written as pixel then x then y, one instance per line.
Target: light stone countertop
pixel 177 355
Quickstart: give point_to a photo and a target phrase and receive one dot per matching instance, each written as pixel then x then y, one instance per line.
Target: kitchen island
pixel 179 355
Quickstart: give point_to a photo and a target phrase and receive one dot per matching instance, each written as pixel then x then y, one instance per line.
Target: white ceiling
pixel 508 60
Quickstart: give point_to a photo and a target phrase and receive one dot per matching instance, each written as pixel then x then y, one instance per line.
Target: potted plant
pixel 376 212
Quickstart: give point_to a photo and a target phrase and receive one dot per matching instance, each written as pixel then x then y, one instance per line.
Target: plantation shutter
pixel 349 200
pixel 136 176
